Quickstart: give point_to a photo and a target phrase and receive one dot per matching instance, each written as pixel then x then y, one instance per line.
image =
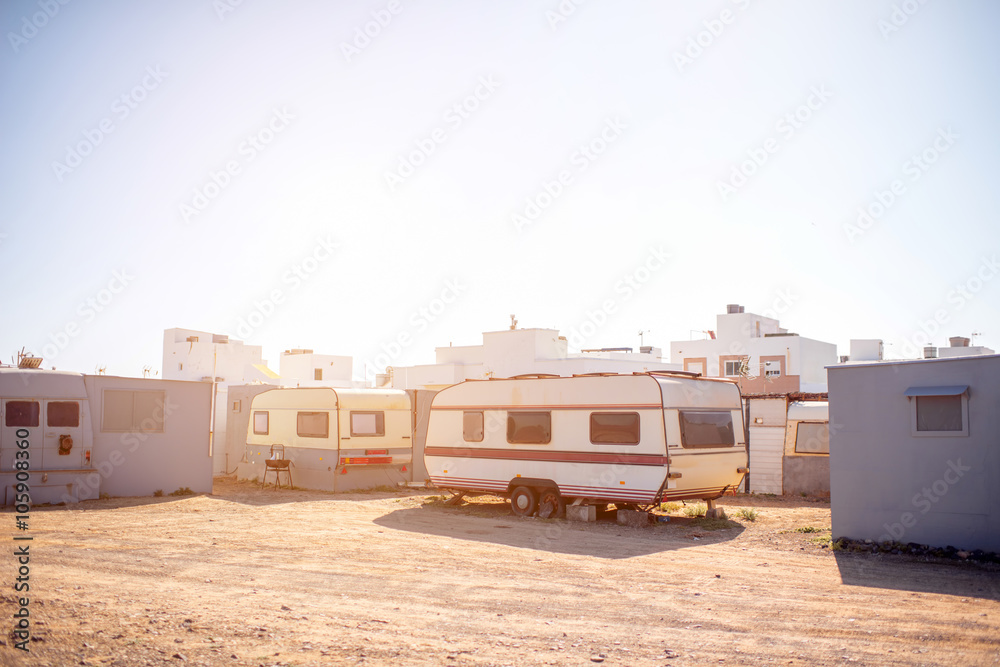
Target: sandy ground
pixel 251 577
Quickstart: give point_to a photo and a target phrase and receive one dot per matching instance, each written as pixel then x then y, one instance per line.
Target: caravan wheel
pixel 523 501
pixel 551 504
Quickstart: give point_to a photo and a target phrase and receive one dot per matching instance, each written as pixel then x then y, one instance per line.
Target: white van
pixel 589 439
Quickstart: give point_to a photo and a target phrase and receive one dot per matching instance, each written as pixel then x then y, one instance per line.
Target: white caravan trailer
pixel 624 439
pixel 336 439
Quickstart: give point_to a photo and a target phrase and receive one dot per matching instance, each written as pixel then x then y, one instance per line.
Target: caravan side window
pixel 367 423
pixel 260 422
pixel 704 428
pixel 529 428
pixel 22 414
pixel 812 438
pixel 614 428
pixel 312 424
pixel 472 426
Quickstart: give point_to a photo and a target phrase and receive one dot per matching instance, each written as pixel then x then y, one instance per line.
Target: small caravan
pixel 591 439
pixel 806 460
pixel 336 439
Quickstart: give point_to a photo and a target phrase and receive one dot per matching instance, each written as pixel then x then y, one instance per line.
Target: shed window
pixel 812 438
pixel 141 411
pixel 939 411
pixel 367 424
pixel 312 424
pixel 22 414
pixel 260 422
pixel 472 426
pixel 529 428
pixel 614 428
pixel 703 428
pixel 65 414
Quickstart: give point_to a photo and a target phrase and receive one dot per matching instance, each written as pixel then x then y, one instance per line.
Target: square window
pixel 614 428
pixel 23 414
pixel 65 414
pixel 812 438
pixel 260 422
pixel 529 428
pixel 704 428
pixel 367 424
pixel 472 426
pixel 312 424
pixel 939 413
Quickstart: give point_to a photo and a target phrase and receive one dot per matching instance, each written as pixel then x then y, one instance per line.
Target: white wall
pixel 298 370
pixel 138 463
pixel 183 360
pixel 887 483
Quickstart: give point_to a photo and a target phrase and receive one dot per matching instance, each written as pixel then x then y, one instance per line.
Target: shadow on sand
pixel 493 523
pixel 907 573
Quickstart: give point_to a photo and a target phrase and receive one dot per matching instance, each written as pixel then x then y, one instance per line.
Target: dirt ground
pixel 251 577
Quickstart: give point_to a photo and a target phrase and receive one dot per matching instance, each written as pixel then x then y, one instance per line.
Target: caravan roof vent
pixel 29 362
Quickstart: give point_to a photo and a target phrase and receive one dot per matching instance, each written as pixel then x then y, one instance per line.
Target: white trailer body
pixel 336 439
pixel 641 438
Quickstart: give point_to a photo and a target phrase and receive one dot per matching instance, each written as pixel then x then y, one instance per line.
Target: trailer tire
pixel 523 501
pixel 551 505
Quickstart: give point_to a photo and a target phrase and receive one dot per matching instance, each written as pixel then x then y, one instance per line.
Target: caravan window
pixel 703 428
pixel 64 414
pixel 260 422
pixel 812 438
pixel 472 426
pixel 22 413
pixel 367 423
pixel 529 428
pixel 614 428
pixel 312 424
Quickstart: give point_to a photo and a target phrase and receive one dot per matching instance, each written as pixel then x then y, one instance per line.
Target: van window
pixel 367 423
pixel 22 413
pixel 614 428
pixel 312 424
pixel 812 438
pixel 704 428
pixel 260 422
pixel 472 426
pixel 529 428
pixel 64 414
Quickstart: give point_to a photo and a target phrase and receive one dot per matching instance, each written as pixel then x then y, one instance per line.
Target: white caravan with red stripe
pixel 544 441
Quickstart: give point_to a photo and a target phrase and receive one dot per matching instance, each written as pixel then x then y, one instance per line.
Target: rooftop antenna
pixel 513 322
pixel 640 336
pixel 100 370
pixel 974 334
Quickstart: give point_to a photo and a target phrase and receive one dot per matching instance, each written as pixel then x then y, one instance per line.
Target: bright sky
pixel 270 171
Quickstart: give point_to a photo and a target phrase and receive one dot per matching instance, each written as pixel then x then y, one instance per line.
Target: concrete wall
pixel 135 462
pixel 806 474
pixel 888 484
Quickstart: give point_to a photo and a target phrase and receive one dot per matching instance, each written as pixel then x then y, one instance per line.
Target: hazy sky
pixel 340 176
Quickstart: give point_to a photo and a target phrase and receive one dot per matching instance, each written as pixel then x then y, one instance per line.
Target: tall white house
pixel 763 357
pixel 200 355
pixel 304 368
pixel 520 351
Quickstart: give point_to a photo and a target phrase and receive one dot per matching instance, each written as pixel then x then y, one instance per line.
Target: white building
pixel 519 351
pixel 201 355
pixel 304 368
pixel 766 358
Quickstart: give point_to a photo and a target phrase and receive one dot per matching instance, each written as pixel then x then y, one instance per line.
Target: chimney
pixel 734 309
pixel 958 341
pixel 930 353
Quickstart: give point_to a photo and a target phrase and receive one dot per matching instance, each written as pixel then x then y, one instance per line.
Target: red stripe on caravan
pixel 549 406
pixel 553 456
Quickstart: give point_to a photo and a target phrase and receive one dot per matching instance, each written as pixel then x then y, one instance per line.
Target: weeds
pixel 670 507
pixel 695 510
pixel 183 491
pixel 747 514
pixel 810 529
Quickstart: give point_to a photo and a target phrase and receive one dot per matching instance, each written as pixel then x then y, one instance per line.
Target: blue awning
pixel 953 390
